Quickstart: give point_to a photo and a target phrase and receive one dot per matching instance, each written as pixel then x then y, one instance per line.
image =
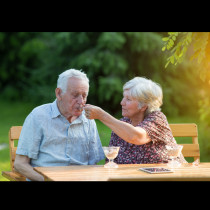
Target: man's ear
pixel 58 92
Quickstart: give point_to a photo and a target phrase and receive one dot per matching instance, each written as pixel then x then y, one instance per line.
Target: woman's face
pixel 130 106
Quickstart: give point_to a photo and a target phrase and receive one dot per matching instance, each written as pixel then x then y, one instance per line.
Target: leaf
pixel 181 54
pixel 167 64
pixel 163 49
pixel 171 42
pixel 172 59
pixel 168 47
pixel 165 39
pixel 174 38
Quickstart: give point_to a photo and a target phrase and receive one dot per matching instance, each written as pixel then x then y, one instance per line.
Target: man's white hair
pixel 64 77
pixel 146 92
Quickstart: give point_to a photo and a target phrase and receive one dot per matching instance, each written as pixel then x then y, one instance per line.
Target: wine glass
pixel 173 153
pixel 111 153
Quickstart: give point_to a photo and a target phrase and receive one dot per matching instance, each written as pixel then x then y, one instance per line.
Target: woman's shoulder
pixel 155 116
pixel 157 127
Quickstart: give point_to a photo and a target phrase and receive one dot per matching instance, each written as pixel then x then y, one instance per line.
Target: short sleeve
pixel 30 137
pixel 114 137
pixel 157 127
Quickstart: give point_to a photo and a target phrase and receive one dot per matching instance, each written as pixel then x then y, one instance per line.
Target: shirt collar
pixel 81 119
pixel 55 110
pixel 56 113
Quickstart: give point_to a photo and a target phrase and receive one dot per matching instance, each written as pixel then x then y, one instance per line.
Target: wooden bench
pixel 14 134
pixel 187 130
pixel 178 130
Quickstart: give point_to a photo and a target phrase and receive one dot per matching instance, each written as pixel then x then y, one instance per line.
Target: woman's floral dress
pixel 157 127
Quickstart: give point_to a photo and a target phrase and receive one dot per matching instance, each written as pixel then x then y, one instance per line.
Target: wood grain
pixel 125 172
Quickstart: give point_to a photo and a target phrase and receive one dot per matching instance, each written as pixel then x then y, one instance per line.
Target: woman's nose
pixel 122 102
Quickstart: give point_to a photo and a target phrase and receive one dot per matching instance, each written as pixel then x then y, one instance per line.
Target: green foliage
pixel 31 62
pixel 181 91
pixel 197 45
pixel 205 110
pixel 178 50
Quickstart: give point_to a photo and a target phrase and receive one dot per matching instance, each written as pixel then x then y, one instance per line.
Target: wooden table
pixel 125 172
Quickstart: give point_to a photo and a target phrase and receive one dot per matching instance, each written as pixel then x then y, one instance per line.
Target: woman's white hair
pixel 64 77
pixel 146 92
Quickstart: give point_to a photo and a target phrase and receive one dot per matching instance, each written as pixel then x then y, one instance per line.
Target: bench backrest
pixel 178 130
pixel 14 134
pixel 187 130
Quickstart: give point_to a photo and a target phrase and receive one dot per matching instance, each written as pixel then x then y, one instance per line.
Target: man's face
pixel 75 97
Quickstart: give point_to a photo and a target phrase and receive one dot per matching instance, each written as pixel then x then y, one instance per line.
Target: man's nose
pixel 80 99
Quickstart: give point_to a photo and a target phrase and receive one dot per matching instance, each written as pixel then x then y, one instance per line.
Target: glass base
pixel 111 165
pixel 174 164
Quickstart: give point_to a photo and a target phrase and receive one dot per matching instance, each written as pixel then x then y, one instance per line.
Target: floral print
pixel 157 127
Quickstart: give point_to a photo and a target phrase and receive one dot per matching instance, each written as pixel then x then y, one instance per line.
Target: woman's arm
pixel 129 133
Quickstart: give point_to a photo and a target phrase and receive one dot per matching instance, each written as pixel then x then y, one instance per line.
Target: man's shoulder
pixel 43 109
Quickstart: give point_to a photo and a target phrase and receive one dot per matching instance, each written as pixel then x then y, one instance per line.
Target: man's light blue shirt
pixel 48 139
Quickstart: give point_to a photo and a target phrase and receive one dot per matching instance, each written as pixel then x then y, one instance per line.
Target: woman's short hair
pixel 64 77
pixel 146 92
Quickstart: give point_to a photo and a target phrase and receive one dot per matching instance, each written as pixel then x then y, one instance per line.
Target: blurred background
pixel 30 63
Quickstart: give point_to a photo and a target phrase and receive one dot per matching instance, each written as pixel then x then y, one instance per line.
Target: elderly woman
pixel 143 132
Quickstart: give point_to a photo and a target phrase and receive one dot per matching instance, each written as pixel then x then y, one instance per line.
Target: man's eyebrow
pixel 77 92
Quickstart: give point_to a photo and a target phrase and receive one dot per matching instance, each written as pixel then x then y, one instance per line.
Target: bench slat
pixel 13 176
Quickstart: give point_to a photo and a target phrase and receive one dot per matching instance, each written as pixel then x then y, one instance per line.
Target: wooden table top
pixel 125 172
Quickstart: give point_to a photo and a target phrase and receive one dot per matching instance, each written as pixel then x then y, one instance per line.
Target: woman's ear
pixel 58 92
pixel 144 108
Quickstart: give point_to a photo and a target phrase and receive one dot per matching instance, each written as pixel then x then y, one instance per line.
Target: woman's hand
pixel 126 131
pixel 92 112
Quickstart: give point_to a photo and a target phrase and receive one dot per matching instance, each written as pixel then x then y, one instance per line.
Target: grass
pixel 15 113
pixel 104 133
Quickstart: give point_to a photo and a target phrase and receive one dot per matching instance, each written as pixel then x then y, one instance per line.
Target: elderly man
pixel 58 133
